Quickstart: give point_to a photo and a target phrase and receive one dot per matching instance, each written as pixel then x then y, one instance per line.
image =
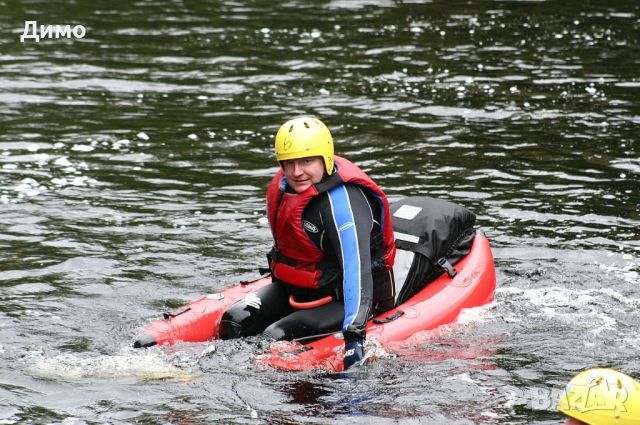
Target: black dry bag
pixel 432 235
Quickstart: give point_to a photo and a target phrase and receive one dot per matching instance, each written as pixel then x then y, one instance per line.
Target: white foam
pixel 373 350
pixel 29 187
pixel 118 144
pixel 626 272
pixel 59 181
pixel 63 161
pixel 464 377
pixel 585 309
pixel 41 158
pixel 82 148
pixel 476 314
pixel 80 181
pixel 147 364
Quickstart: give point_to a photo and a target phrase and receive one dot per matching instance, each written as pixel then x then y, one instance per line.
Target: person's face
pixel 303 172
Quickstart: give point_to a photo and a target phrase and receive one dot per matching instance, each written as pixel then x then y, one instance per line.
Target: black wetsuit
pixel 359 290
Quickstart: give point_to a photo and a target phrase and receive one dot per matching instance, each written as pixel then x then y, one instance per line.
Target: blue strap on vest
pixel 345 224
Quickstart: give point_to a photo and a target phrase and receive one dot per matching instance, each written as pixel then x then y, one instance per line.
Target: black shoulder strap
pixel 422 249
pixel 415 247
pixel 329 182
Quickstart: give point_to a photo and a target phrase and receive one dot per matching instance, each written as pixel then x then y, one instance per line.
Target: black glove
pixel 353 351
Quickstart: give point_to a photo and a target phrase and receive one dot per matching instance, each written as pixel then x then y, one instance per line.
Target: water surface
pixel 133 165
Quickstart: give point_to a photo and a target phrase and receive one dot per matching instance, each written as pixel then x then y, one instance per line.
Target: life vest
pixel 295 259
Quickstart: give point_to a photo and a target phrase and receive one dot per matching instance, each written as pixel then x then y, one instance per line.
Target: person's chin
pixel 301 187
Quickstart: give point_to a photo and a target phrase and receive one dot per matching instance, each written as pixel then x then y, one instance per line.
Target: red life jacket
pixel 295 259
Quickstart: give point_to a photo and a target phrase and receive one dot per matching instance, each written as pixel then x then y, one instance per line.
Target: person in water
pixel 333 247
pixel 601 397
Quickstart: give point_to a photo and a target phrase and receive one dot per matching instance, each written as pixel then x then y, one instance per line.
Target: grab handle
pixel 299 305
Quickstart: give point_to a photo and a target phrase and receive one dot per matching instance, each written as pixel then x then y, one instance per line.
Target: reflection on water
pixel 133 164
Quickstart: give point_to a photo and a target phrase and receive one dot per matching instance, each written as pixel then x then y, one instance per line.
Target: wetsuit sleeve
pixel 348 229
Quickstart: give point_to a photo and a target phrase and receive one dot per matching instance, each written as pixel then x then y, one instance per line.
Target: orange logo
pixel 287 144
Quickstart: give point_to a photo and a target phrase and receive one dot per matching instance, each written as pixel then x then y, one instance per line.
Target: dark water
pixel 133 164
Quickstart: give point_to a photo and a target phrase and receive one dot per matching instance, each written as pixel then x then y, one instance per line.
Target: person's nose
pixel 297 169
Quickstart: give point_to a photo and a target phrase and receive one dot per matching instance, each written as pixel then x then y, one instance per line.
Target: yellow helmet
pixel 305 137
pixel 602 396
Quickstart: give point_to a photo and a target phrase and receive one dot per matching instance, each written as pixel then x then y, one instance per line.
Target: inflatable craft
pixel 443 265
